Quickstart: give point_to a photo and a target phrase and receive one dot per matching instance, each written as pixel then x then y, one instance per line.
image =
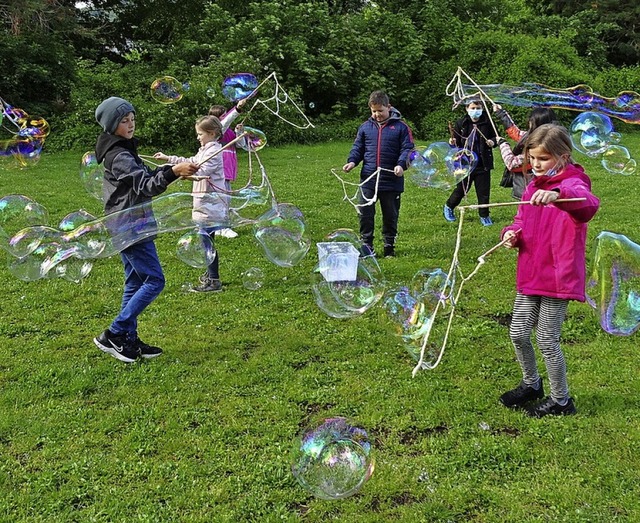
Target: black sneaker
pixel 522 394
pixel 147 351
pixel 389 251
pixel 548 407
pixel 208 285
pixel 120 347
pixel 367 250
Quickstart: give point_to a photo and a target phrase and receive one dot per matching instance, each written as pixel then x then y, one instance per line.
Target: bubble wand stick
pixel 527 202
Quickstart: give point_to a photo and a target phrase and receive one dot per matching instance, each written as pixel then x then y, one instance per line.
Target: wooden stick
pixel 504 204
pixel 226 146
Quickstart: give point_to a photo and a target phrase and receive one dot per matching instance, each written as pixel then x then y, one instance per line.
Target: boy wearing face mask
pixel 474 132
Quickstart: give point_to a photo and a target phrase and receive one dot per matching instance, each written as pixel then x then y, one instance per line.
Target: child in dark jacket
pixel 382 144
pixel 128 185
pixel 513 158
pixel 475 133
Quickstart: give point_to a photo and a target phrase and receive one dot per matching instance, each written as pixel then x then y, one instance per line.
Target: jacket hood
pixel 106 142
pixel 394 114
pixel 572 170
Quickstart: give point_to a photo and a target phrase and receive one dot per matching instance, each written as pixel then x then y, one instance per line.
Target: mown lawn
pixel 204 433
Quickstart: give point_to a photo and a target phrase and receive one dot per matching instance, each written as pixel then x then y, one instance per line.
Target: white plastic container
pixel 338 261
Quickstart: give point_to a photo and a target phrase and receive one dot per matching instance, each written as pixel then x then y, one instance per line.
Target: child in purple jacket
pixel 551 239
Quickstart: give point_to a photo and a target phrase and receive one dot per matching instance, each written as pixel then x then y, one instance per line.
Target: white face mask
pixel 474 114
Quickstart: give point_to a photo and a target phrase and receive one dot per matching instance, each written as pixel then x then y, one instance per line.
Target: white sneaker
pixel 227 233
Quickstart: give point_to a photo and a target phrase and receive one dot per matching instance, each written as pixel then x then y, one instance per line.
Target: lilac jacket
pixel 552 240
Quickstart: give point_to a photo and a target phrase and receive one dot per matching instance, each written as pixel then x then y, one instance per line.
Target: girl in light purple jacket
pixel 551 239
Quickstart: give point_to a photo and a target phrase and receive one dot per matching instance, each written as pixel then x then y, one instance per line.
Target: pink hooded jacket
pixel 552 240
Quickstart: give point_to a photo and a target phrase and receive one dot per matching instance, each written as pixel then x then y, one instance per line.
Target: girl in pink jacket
pixel 551 239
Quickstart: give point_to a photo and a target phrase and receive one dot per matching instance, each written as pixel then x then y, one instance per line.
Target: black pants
pixel 481 179
pixel 390 207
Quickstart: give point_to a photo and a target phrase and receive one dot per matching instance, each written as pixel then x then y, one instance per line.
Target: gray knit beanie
pixel 111 111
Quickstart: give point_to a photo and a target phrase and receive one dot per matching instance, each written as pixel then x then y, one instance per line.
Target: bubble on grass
pixel 419 313
pixel 196 249
pixel 348 299
pixel 167 90
pixel 281 233
pixel 614 285
pixel 253 278
pixel 92 174
pixel 333 460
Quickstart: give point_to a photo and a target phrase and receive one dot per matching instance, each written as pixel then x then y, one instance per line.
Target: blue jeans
pixel 143 282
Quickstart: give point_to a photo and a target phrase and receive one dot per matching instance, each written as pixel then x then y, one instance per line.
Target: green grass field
pixel 204 433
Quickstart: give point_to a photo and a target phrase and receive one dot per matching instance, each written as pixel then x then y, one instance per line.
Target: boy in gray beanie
pixel 128 188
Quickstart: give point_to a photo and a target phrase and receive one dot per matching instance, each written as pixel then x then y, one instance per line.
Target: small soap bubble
pixel 253 278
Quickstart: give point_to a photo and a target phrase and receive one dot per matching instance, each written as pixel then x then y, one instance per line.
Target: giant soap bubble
pixel 418 313
pixel 281 233
pixel 91 174
pixel 167 90
pixel 591 133
pixel 441 166
pixel 25 136
pixel 237 86
pixel 348 298
pixel 333 460
pixel 614 286
pixel 196 249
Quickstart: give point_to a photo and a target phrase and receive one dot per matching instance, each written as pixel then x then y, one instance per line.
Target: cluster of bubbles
pixel 413 310
pixel 238 86
pixel 333 460
pixel 167 90
pixel 38 248
pixel 363 285
pixel 593 134
pixel 625 106
pixel 22 136
pixel 613 289
pixel 440 165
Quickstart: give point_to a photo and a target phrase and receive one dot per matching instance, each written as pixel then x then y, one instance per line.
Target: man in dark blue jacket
pixel 383 144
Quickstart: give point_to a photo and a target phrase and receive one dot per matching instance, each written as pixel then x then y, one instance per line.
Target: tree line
pixel 60 58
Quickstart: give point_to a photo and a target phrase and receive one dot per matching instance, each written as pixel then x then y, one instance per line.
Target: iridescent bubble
pixel 238 86
pixel 460 163
pixel 419 314
pixel 441 166
pixel 186 86
pixel 625 106
pixel 254 139
pixel 616 159
pixel 590 133
pixel 614 285
pixel 167 90
pixel 253 278
pixel 16 213
pixel 281 233
pixel 196 249
pixel 91 174
pixel 349 298
pixel 333 460
pixel 312 105
pixel 211 92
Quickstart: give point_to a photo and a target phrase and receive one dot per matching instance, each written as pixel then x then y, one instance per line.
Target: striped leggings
pixel 548 314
